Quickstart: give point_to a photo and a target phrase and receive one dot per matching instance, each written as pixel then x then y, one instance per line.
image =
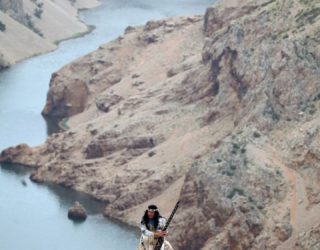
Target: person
pixel 152 225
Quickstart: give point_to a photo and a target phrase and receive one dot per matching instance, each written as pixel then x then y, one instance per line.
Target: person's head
pixel 152 213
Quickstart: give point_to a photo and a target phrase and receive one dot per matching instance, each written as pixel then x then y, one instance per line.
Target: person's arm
pixel 162 224
pixel 145 231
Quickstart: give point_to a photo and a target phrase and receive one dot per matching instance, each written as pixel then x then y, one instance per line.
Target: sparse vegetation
pixel 38 12
pixel 39 9
pixel 267 3
pixel 308 16
pixel 256 134
pixel 270 111
pixel 316 98
pixel 2 27
pixel 31 26
pixel 233 167
pixel 236 148
pixel 39 4
pixel 306 2
pixel 228 173
pixel 63 124
pixel 235 191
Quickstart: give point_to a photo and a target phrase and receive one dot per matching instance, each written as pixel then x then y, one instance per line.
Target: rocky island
pixel 219 111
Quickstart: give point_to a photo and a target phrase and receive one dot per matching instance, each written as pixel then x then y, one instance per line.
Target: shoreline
pixel 89 29
pixel 190 26
pixel 126 206
pixel 28 170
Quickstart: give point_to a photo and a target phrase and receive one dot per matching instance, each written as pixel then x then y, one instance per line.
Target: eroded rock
pixel 105 102
pixel 77 212
pixel 65 97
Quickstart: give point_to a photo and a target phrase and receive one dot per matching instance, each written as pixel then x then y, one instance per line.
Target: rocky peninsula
pixel 220 111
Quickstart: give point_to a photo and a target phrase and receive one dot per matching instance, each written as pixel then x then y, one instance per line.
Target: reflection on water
pixel 15 169
pixel 52 125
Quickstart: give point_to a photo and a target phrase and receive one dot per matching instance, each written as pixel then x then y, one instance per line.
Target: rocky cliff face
pixel 220 112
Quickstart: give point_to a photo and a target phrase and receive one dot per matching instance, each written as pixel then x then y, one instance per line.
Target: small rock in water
pixel 24 183
pixel 77 212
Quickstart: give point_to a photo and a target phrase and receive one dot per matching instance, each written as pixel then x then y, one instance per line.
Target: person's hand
pixel 160 234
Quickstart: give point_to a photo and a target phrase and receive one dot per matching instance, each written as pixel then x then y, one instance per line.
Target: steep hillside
pixel 31 27
pixel 220 112
pixel 14 8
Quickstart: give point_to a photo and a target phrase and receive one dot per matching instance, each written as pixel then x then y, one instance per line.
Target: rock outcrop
pixel 308 240
pixel 66 97
pixel 21 153
pixel 220 112
pixel 77 212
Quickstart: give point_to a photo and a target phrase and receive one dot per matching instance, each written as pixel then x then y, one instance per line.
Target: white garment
pixel 147 241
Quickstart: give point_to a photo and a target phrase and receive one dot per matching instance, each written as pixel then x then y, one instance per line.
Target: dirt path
pixel 302 218
pixel 295 204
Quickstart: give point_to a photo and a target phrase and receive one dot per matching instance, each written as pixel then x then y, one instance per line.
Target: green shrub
pixel 38 12
pixel 2 27
pixel 308 16
pixel 267 3
pixel 31 26
pixel 256 134
pixel 236 191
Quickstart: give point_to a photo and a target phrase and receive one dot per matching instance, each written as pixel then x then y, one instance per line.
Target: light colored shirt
pixel 149 233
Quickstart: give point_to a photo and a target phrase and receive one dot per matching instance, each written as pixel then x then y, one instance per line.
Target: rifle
pixel 160 240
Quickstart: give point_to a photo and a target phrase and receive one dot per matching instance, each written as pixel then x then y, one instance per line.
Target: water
pixel 33 217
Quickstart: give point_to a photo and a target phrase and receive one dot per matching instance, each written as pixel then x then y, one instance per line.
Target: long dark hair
pixel 145 218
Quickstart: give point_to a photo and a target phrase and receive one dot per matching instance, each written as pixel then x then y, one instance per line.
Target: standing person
pixel 151 226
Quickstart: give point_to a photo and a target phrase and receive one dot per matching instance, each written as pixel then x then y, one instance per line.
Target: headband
pixel 152 210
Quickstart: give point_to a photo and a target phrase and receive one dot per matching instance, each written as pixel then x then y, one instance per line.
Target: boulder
pixel 77 212
pixel 105 102
pixel 66 97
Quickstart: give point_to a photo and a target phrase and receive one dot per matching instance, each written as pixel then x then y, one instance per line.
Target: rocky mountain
pixel 220 112
pixel 30 27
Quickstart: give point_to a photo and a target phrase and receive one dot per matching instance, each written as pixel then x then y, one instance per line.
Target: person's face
pixel 151 214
